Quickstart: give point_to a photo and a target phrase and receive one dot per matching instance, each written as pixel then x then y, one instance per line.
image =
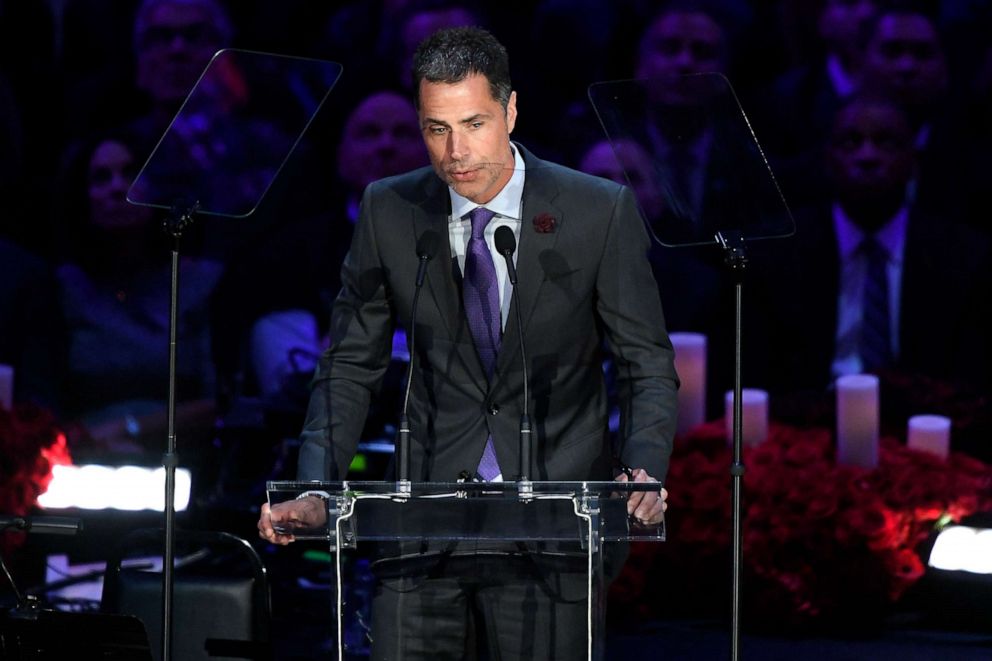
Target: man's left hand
pixel 647 507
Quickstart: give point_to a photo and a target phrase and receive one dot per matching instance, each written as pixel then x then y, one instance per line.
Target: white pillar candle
pixel 857 420
pixel 931 433
pixel 690 364
pixel 6 386
pixel 754 416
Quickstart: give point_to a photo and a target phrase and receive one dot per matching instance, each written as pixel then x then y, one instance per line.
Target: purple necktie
pixel 481 295
pixel 876 334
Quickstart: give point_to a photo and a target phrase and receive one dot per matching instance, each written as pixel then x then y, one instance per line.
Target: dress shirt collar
pixel 892 235
pixel 507 202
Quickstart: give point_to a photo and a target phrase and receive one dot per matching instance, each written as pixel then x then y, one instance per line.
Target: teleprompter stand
pixel 220 155
pixel 704 186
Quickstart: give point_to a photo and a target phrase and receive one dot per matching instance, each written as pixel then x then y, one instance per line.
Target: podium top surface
pixel 424 489
pixel 545 511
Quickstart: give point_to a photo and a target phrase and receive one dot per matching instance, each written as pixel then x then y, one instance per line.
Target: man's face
pixel 871 153
pixel 679 44
pixel 467 133
pixel 841 21
pixel 109 175
pixel 905 57
pixel 381 138
pixel 174 50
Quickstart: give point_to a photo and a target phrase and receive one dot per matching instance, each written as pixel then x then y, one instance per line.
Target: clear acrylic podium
pixel 591 513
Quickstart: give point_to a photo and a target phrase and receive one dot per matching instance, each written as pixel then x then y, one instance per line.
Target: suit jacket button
pixel 493 408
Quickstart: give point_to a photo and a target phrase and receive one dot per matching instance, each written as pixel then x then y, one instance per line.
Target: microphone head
pixel 505 242
pixel 427 245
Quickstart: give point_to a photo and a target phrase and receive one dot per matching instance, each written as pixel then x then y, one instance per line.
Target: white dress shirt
pixel 853 274
pixel 508 207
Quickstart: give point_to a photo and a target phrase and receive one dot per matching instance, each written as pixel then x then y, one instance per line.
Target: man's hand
pixel 309 512
pixel 648 507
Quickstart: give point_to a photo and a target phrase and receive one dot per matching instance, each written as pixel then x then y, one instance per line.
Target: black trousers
pixel 483 606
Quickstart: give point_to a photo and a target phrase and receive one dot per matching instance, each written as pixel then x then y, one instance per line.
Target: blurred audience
pixel 173 43
pixel 274 302
pixel 123 68
pixel 792 115
pixel 936 270
pixel 115 284
pixel 417 20
pixel 381 137
pixel 905 57
pixel 627 162
pixel 32 331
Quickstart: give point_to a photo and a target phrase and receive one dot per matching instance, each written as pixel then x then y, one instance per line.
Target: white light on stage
pixel 962 548
pixel 129 488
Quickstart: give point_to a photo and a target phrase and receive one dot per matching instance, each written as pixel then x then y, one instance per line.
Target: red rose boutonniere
pixel 544 223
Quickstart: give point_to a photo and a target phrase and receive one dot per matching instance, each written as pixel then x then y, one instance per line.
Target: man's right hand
pixel 309 512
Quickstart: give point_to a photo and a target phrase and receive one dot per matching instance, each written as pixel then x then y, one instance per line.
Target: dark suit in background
pixel 943 296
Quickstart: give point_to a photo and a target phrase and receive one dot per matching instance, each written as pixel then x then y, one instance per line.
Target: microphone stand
pixel 425 250
pixel 735 258
pixel 16 523
pixel 28 604
pixel 179 218
pixel 506 244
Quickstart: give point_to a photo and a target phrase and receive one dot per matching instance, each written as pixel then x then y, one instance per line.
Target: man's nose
pixel 457 146
pixel 120 182
pixel 868 154
pixel 385 142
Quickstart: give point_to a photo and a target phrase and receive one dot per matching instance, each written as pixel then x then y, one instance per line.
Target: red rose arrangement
pixel 31 443
pixel 544 223
pixel 823 545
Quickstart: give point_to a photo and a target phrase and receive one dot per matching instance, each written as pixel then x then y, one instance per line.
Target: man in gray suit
pixel 584 285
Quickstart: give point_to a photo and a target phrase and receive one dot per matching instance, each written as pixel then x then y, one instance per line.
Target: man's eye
pixel 476 125
pixel 437 130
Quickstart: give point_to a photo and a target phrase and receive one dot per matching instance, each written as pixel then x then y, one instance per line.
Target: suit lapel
pixel 432 214
pixel 540 191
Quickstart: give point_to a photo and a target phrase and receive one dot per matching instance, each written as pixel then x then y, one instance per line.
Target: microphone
pixel 45 525
pixel 506 244
pixel 426 248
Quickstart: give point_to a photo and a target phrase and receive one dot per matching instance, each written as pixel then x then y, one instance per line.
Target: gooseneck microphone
pixel 45 525
pixel 426 248
pixel 49 525
pixel 506 244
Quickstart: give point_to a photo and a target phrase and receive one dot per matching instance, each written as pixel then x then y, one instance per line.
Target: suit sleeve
pixel 351 369
pixel 629 305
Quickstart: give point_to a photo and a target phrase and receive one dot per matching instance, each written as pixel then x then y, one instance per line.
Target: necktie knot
pixel 480 217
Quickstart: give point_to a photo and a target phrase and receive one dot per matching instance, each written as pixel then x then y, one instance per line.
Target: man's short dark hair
pixel 453 54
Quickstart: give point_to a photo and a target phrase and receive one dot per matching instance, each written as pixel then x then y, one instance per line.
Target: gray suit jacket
pixel 584 287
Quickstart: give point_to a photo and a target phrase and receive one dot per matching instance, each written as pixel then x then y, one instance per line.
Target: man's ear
pixel 511 112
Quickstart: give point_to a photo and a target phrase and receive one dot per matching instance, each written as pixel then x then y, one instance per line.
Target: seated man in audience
pixel 872 282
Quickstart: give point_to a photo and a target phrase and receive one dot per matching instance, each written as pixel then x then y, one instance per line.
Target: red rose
pixel 905 568
pixel 30 443
pixel 872 522
pixel 544 223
